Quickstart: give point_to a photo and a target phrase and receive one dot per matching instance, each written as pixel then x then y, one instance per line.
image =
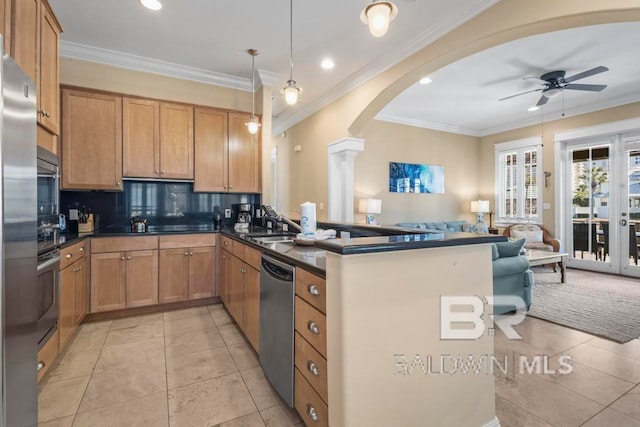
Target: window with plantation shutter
pixel 518 172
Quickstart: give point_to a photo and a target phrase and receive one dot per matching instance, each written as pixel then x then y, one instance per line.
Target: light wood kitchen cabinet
pixel 5 24
pixel 124 272
pixel 211 150
pixel 227 155
pixel 72 292
pixel 35 47
pixel 140 138
pixel 176 141
pixel 223 269
pixel 91 141
pixel 244 156
pixel 240 285
pixel 187 267
pixel 47 354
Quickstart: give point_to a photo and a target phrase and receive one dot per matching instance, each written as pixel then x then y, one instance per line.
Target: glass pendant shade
pixel 291 92
pixel 253 125
pixel 378 15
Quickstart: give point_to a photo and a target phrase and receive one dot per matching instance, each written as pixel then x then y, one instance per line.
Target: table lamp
pixel 370 207
pixel 480 207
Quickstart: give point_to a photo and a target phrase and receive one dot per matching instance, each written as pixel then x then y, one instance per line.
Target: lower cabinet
pixel 240 288
pixel 72 291
pixel 124 272
pixel 186 267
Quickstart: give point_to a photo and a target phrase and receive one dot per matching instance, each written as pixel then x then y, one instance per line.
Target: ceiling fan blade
pixel 582 75
pixel 590 88
pixel 543 100
pixel 521 93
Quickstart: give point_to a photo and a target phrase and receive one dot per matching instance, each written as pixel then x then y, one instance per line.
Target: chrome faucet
pixel 269 212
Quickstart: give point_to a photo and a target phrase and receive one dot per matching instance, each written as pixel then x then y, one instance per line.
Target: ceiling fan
pixel 554 82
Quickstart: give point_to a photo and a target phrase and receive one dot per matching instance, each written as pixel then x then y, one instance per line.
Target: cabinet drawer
pixel 312 289
pixel 227 243
pixel 47 354
pixel 312 409
pixel 252 257
pixel 74 252
pixel 239 249
pixel 187 241
pixel 311 365
pixel 312 325
pixel 124 244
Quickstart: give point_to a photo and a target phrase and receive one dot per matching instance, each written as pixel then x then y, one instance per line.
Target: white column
pixel 341 155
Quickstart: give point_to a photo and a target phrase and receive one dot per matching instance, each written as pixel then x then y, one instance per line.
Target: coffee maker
pixel 243 214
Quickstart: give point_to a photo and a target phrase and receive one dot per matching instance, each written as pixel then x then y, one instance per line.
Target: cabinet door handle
pixel 156 172
pixel 118 183
pixel 161 172
pixel 68 256
pixel 191 253
pixel 128 257
pixel 186 254
pixel 225 242
pixel 313 327
pixel 122 258
pixel 41 366
pixel 313 290
pixel 230 187
pixel 311 411
pixel 313 368
pixel 81 249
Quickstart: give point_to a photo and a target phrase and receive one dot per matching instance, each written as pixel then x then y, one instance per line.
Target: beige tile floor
pixel 193 368
pixel 187 367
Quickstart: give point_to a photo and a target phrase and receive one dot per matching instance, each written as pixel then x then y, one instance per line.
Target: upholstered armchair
pixel 537 237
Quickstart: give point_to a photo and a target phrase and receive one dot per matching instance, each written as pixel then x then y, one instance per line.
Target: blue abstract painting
pixel 412 178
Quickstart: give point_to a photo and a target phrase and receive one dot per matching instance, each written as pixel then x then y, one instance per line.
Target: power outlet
pixel 285 227
pixel 73 214
pixel 227 213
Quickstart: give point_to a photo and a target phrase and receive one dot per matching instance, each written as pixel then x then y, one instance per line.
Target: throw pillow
pixel 476 228
pixel 532 236
pixel 508 249
pixel 494 252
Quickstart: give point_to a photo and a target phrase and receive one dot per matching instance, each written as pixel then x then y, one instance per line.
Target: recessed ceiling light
pixel 534 108
pixel 425 81
pixel 151 4
pixel 327 64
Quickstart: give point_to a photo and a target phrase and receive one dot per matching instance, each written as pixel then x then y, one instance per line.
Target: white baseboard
pixel 493 423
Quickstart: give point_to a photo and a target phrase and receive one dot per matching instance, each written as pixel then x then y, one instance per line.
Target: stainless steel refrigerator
pixel 18 191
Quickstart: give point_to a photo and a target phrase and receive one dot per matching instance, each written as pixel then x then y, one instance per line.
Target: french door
pixel 602 212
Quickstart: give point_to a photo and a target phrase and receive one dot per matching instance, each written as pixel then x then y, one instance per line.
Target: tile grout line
pixel 523 409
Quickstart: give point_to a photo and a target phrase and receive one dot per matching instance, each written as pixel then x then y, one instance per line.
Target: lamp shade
pixel 370 206
pixel 480 206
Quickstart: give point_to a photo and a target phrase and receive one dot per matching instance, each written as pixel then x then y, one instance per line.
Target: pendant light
pixel 378 15
pixel 253 124
pixel 291 91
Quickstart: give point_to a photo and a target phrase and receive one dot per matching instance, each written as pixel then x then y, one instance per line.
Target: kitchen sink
pixel 274 239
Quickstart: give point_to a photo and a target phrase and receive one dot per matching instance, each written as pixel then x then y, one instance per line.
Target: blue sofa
pixel 511 273
pixel 440 226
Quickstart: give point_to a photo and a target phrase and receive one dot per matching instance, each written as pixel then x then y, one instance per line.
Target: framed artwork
pixel 414 178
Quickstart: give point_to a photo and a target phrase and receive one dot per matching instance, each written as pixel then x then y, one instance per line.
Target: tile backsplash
pixel 163 203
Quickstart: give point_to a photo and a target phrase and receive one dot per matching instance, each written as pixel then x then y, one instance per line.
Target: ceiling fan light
pixel 552 93
pixel 377 16
pixel 253 125
pixel 291 92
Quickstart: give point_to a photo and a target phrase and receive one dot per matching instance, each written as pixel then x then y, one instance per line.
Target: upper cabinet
pixel 157 139
pixel 227 155
pixel 5 24
pixel 35 46
pixel 91 141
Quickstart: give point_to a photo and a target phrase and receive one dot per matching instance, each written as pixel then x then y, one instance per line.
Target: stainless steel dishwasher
pixel 277 291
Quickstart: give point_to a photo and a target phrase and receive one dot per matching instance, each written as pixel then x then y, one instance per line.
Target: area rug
pixel 600 304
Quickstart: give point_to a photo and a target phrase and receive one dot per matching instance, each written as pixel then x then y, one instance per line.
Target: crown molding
pixel 557 115
pixel 268 78
pixel 443 127
pixel 290 117
pixel 140 63
pixel 531 121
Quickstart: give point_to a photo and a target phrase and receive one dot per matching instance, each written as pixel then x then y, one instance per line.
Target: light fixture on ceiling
pixel 291 91
pixel 425 80
pixel 327 63
pixel 377 16
pixel 534 108
pixel 151 4
pixel 552 92
pixel 253 124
